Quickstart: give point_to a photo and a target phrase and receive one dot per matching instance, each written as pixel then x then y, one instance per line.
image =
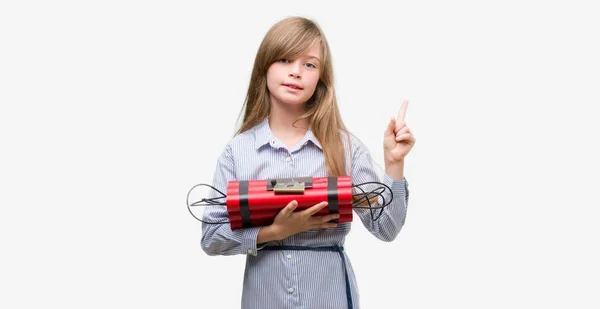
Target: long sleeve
pixel 392 219
pixel 219 239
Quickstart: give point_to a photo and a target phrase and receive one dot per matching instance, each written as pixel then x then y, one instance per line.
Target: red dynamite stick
pixel 252 203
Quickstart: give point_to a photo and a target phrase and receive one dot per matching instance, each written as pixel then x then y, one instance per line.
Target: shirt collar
pixel 264 135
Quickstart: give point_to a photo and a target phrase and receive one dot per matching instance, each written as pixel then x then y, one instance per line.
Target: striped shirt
pixel 295 279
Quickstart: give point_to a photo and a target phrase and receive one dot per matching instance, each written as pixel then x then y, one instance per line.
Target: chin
pixel 292 101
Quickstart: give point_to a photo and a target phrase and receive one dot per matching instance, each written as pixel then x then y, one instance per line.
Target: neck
pixel 283 116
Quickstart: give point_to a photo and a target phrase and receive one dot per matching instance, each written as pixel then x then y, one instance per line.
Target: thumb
pixel 390 127
pixel 289 208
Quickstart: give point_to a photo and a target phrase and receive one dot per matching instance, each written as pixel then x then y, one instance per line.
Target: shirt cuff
pixel 399 187
pixel 249 241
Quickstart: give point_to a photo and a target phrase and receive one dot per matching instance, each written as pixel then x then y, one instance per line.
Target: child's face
pixel 293 81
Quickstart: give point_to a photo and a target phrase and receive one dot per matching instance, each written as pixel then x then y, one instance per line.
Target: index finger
pixel 402 112
pixel 314 209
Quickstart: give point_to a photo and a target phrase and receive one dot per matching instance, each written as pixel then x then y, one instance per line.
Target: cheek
pixel 271 80
pixel 314 80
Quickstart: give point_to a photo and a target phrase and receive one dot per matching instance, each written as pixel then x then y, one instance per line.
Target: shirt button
pixel 289 256
pixel 249 251
pixel 291 290
pixel 288 159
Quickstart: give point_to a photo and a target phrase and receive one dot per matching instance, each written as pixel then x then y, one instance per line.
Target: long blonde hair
pixel 290 38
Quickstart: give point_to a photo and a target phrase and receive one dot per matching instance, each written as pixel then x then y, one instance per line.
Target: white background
pixel 112 110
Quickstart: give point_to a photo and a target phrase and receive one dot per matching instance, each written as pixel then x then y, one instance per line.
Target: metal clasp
pixel 289 185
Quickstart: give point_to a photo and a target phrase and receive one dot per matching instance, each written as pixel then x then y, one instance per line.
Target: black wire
pixel 210 202
pixel 359 201
pixel 384 204
pixel 384 186
pixel 366 198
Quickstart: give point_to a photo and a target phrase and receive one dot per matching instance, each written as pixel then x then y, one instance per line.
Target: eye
pixel 310 65
pixel 283 60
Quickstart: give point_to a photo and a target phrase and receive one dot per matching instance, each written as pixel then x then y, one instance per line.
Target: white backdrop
pixel 112 110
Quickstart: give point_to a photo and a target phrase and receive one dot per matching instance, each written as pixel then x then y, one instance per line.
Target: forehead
pixel 294 52
pixel 313 51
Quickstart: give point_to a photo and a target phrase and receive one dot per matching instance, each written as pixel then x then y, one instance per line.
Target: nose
pixel 295 70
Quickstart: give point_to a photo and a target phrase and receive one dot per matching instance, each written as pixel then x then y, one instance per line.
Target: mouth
pixel 293 86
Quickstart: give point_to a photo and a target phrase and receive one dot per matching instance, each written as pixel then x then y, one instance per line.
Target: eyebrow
pixel 315 57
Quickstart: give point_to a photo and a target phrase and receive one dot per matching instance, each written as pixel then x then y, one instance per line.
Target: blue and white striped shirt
pixel 294 279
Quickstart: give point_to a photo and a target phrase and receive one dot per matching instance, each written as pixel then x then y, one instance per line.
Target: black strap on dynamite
pixel 332 196
pixel 244 210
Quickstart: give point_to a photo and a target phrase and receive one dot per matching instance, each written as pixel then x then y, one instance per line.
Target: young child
pixel 292 128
